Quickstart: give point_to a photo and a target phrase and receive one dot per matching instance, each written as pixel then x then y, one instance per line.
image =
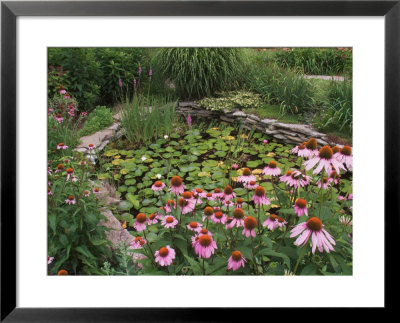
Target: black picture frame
pixel 10 10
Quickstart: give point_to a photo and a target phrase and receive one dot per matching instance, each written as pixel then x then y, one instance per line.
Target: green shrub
pixel 83 75
pixel 63 124
pixel 76 241
pixel 278 86
pixel 121 63
pixel 316 61
pixel 198 72
pixel 227 101
pixel 339 105
pixel 100 118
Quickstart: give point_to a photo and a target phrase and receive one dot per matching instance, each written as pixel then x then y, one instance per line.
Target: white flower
pixel 143 158
pixel 158 176
pixel 165 137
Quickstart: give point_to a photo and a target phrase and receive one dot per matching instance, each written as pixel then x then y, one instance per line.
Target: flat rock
pixel 226 119
pixel 268 122
pixel 251 121
pixel 302 128
pixel 294 139
pixel 253 117
pixel 190 104
pixel 80 150
pixel 279 136
pixel 324 77
pixel 239 114
pixel 116 234
pixel 271 132
pixel 114 126
pixel 96 139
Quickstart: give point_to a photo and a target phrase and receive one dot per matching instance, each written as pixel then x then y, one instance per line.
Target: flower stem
pixel 300 258
pixel 254 258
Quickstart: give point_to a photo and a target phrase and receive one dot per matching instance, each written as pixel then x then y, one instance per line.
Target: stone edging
pixel 283 132
pixel 101 138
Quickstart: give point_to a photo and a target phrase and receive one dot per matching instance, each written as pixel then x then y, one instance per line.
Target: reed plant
pixel 198 72
pixel 145 119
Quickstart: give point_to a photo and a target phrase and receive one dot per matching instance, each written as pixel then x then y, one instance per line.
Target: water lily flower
pixel 143 158
pixel 235 166
pixel 236 260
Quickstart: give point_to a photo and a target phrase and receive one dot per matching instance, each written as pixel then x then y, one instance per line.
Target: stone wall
pixel 288 133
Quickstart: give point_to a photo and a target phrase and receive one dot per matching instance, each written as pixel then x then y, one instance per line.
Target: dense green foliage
pixel 227 101
pixel 92 75
pixel 197 72
pixel 100 118
pixel 145 120
pixel 339 104
pixel 316 61
pixel 204 160
pixel 277 85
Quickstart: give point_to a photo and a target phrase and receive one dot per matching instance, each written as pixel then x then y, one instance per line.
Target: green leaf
pixel 272 253
pixel 133 199
pixel 310 269
pixel 84 251
pixel 194 265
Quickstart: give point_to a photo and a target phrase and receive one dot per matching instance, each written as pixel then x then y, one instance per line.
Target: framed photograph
pixel 193 152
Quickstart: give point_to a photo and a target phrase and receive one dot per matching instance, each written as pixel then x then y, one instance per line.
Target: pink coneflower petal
pixel 164 256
